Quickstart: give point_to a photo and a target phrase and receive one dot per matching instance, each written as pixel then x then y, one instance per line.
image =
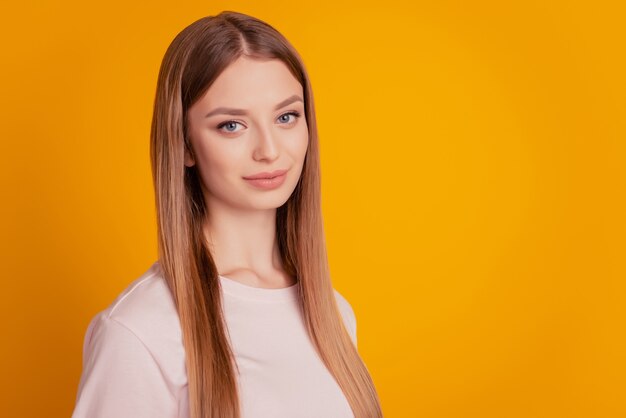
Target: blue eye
pixel 228 123
pixel 296 115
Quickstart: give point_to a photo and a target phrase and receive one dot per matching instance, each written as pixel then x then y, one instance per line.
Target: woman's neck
pixel 244 247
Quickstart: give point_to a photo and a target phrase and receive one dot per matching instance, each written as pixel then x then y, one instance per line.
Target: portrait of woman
pixel 238 317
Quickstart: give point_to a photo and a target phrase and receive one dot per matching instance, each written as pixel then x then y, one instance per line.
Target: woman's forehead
pixel 249 82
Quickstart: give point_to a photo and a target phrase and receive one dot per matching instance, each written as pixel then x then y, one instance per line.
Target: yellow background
pixel 474 186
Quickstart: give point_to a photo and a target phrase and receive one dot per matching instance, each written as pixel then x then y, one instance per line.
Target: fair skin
pixel 241 228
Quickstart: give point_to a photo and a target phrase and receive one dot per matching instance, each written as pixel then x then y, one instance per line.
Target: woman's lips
pixel 267 181
pixel 266 175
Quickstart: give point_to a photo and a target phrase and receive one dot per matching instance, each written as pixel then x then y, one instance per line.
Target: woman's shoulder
pixel 133 355
pixel 145 300
pixel 145 311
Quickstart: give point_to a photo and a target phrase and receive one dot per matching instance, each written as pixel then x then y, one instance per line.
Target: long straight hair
pixel 192 62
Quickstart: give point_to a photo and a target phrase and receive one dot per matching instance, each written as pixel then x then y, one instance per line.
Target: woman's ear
pixel 189 160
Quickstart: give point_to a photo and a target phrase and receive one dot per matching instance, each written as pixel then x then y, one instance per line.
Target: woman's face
pixel 251 120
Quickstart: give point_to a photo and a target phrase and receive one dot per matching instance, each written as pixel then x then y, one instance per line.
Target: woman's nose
pixel 266 147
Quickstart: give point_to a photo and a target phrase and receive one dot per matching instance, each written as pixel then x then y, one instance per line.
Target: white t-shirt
pixel 134 359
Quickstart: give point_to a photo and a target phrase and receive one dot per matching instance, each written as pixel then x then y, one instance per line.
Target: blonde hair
pixel 194 59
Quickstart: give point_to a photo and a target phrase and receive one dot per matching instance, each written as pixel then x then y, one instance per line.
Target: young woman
pixel 238 317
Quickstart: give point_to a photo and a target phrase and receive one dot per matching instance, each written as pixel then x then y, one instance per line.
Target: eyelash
pixel 294 113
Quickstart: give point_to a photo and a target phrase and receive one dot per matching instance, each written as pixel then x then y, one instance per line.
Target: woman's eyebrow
pixel 232 111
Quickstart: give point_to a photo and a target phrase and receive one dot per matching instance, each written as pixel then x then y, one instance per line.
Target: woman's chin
pixel 273 202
